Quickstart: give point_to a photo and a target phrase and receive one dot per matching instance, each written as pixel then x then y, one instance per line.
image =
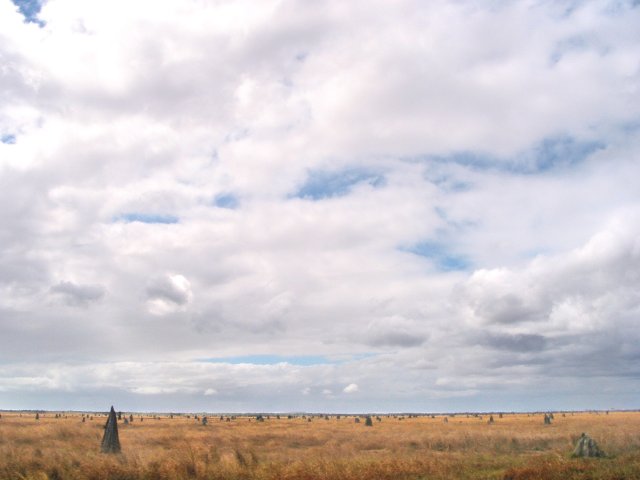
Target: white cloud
pixel 475 217
pixel 168 293
pixel 75 294
pixel 351 388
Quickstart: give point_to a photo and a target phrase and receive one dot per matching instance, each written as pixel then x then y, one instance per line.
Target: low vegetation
pixel 514 447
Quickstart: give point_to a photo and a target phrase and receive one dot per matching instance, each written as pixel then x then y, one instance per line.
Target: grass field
pixel 517 446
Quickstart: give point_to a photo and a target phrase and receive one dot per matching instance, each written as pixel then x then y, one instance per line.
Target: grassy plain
pixel 516 446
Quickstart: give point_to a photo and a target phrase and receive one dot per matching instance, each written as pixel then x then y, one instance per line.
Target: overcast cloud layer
pixel 321 206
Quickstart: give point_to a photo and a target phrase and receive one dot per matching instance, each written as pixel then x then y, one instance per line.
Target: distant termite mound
pixel 587 447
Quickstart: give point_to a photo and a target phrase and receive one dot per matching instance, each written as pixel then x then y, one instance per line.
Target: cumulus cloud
pixel 394 332
pixel 78 295
pixel 168 293
pixel 519 342
pixel 439 200
pixel 351 388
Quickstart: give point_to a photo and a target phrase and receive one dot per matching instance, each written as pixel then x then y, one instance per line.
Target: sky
pixel 327 206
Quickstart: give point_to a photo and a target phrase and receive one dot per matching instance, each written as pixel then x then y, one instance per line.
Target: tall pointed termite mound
pixel 110 440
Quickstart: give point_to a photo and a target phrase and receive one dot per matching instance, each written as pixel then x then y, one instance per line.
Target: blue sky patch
pixel 327 184
pixel 148 218
pixel 548 154
pixel 474 160
pixel 440 256
pixel 561 151
pixel 566 46
pixel 448 182
pixel 226 200
pixel 633 126
pixel 30 10
pixel 301 360
pixel 8 139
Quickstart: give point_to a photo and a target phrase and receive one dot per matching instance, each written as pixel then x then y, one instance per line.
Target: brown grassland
pixel 517 446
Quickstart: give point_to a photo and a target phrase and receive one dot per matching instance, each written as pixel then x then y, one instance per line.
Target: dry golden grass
pixel 514 447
